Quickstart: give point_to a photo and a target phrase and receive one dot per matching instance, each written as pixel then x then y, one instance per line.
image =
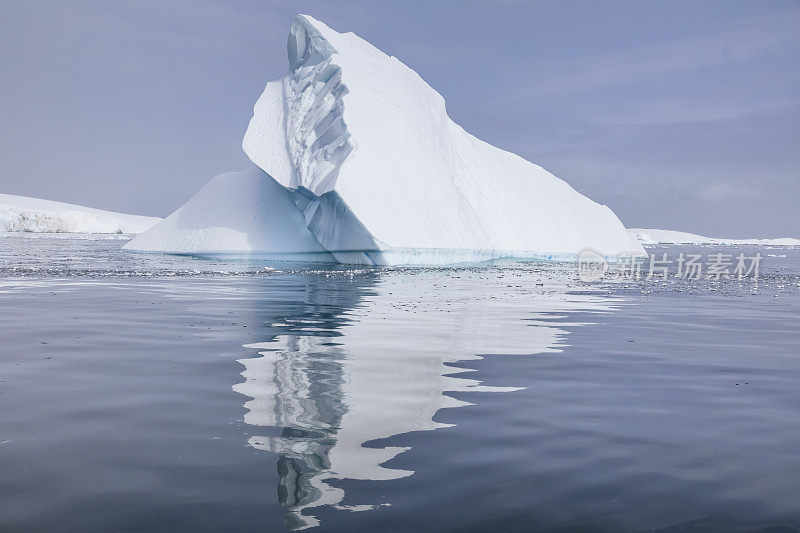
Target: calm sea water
pixel 156 392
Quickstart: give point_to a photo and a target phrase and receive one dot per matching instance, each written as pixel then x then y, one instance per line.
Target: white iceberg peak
pixel 366 152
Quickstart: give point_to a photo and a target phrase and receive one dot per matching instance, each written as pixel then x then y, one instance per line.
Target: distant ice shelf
pixel 361 164
pixel 33 215
pixel 664 236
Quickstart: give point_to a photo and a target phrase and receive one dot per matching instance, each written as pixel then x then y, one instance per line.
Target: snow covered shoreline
pixel 21 214
pixel 664 236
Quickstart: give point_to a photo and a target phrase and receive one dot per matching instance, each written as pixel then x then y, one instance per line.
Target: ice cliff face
pixel 379 174
pixel 318 140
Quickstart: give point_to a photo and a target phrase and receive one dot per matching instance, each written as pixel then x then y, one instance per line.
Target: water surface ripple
pixel 158 392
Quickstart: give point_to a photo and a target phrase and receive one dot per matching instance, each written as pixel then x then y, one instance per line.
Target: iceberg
pixel 363 149
pixel 665 236
pixel 34 215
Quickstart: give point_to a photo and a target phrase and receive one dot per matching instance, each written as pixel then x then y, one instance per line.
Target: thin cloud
pixel 665 112
pixel 775 33
pixel 715 192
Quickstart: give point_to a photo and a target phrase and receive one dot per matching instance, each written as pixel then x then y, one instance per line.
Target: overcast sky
pixel 678 115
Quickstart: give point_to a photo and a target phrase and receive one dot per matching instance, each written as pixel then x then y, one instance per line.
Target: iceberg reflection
pixel 370 357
